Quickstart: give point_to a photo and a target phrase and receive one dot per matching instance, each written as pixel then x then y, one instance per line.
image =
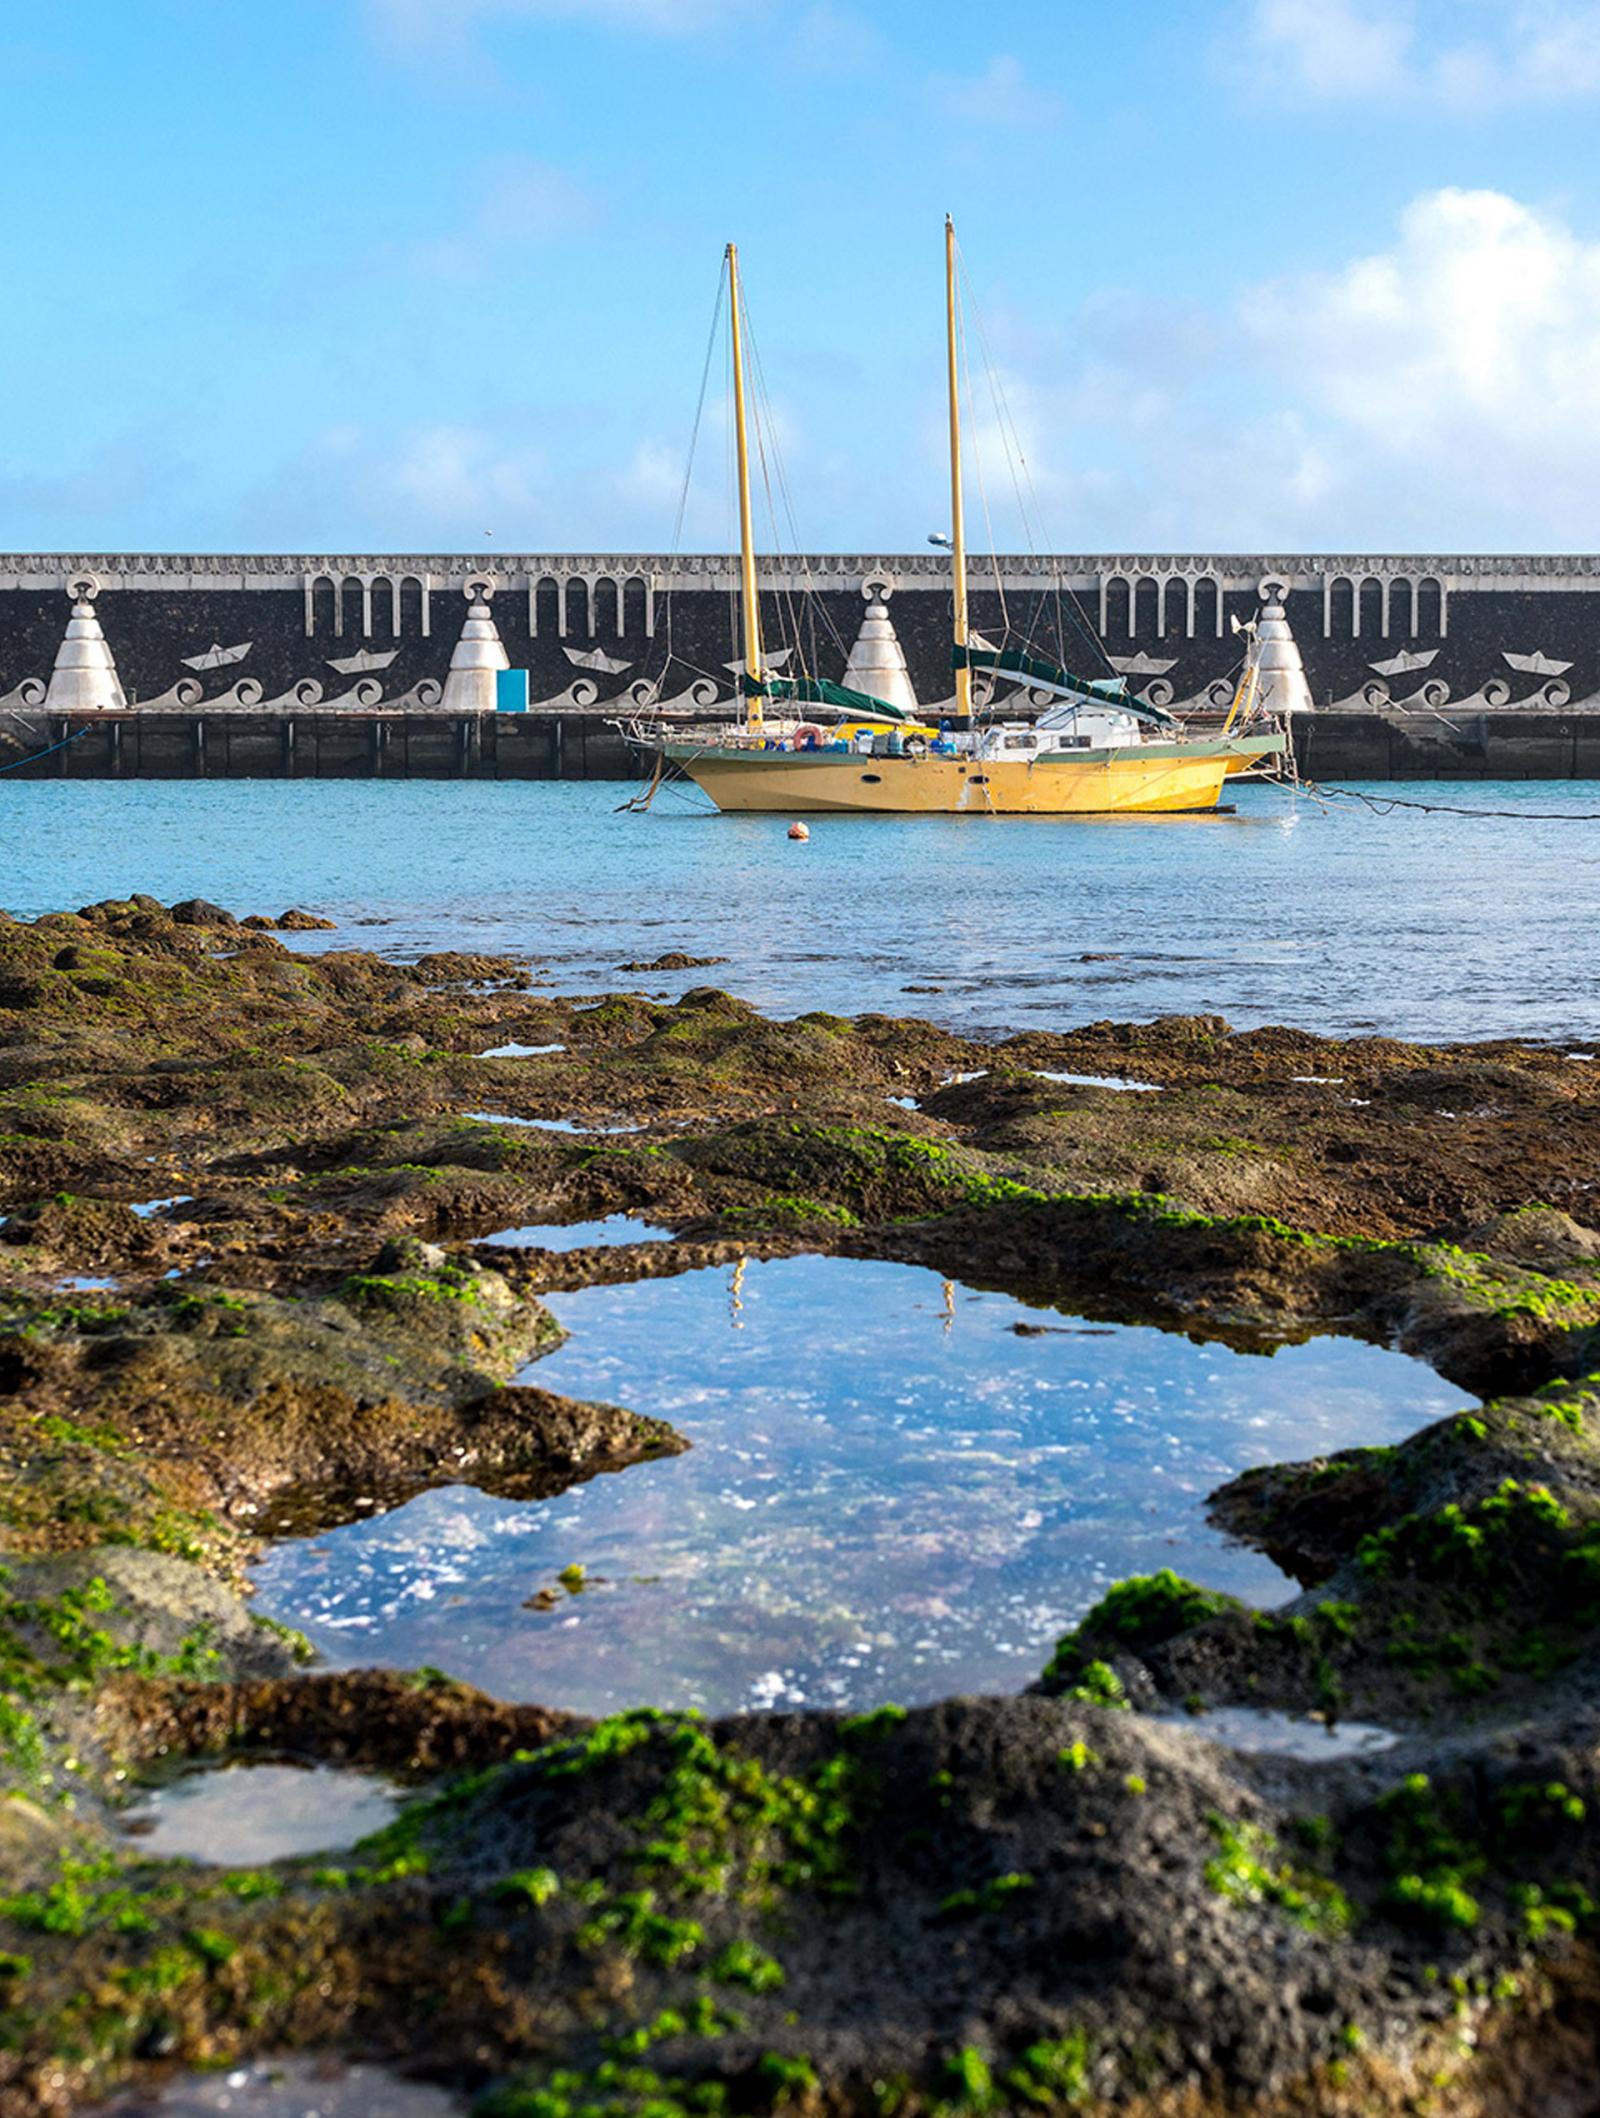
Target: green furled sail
pixel 1050 676
pixel 818 691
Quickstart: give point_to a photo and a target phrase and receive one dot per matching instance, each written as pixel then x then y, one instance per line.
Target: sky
pixel 438 275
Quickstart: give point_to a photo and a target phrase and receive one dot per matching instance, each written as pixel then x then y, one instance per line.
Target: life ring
pixel 808 736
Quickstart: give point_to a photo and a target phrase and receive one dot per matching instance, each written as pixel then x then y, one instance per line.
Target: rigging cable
pixel 1030 508
pixel 688 468
pixel 815 607
pixel 977 458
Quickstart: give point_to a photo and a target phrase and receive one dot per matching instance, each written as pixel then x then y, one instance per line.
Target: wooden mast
pixel 750 607
pixel 958 538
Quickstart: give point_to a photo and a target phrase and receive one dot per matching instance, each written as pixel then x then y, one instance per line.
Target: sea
pixel 1341 915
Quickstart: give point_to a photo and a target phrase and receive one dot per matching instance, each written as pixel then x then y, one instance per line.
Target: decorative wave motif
pixel 188 691
pixel 420 698
pixel 369 692
pixel 700 694
pixel 1429 697
pixel 308 692
pixel 583 691
pixel 30 692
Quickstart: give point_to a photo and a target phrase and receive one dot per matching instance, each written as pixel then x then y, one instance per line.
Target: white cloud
pixel 352 485
pixel 1333 47
pixel 1461 54
pixel 1001 95
pixel 1441 391
pixel 517 201
pixel 462 475
pixel 1469 351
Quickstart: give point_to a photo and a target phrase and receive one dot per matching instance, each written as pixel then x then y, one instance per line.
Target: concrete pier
pixel 584 745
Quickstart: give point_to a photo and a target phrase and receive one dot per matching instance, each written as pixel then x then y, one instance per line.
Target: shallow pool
pixel 319 2086
pixel 245 1812
pixel 898 1489
pixel 613 1229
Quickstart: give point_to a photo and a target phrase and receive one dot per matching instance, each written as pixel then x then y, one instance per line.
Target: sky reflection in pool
pixel 578 1235
pixel 255 1811
pixel 890 1495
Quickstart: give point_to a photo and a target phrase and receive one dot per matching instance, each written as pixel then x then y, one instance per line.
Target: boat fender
pixel 798 831
pixel 808 736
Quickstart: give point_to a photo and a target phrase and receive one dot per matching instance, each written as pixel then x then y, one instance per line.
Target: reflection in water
pixel 578 1235
pixel 289 2088
pixel 1262 1731
pixel 892 1494
pixel 243 1814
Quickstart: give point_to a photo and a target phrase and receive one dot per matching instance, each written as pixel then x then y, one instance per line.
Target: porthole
pixel 873 779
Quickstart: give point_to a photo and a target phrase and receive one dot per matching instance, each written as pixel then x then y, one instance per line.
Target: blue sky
pixel 413 274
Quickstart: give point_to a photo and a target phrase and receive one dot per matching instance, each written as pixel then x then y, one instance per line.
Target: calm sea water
pixel 892 1493
pixel 1333 919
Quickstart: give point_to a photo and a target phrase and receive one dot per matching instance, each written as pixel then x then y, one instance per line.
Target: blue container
pixel 511 691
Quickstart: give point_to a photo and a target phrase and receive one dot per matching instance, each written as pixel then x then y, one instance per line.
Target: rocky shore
pixel 243 1287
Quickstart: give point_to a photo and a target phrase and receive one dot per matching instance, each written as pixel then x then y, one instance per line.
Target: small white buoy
pixel 799 831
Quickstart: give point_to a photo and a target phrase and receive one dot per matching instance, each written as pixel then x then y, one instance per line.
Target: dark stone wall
pixel 152 630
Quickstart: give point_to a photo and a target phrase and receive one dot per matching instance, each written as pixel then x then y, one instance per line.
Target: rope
pixel 17 764
pixel 1382 804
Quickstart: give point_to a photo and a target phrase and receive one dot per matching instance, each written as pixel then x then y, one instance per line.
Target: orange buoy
pixel 798 831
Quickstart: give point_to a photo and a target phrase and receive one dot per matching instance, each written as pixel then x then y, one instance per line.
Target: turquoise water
pixel 1333 919
pixel 895 1490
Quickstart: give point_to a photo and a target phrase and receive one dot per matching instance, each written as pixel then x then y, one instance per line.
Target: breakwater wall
pixel 356 744
pixel 340 632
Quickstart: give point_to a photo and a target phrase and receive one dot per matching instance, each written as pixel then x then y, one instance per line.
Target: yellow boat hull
pixel 1143 779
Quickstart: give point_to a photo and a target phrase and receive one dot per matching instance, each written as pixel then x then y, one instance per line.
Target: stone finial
pixel 1283 675
pixel 84 679
pixel 479 655
pixel 877 661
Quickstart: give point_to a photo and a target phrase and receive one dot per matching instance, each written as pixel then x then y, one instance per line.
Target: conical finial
pixel 877 662
pixel 1283 675
pixel 479 654
pixel 84 679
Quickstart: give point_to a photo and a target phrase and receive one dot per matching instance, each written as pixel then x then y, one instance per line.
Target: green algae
pixel 1136 1614
pixel 1248 1869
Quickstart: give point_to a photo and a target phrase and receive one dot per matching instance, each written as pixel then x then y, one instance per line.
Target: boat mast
pixel 750 608
pixel 958 540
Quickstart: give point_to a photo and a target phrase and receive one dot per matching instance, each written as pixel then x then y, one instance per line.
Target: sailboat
pixel 1098 750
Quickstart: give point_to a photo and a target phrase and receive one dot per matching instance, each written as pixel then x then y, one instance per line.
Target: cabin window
pixel 873 779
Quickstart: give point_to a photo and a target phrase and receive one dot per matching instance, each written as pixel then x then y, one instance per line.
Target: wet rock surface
pixel 1068 1899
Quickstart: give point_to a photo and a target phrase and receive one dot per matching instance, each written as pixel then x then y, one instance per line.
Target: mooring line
pixel 17 764
pixel 1383 803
